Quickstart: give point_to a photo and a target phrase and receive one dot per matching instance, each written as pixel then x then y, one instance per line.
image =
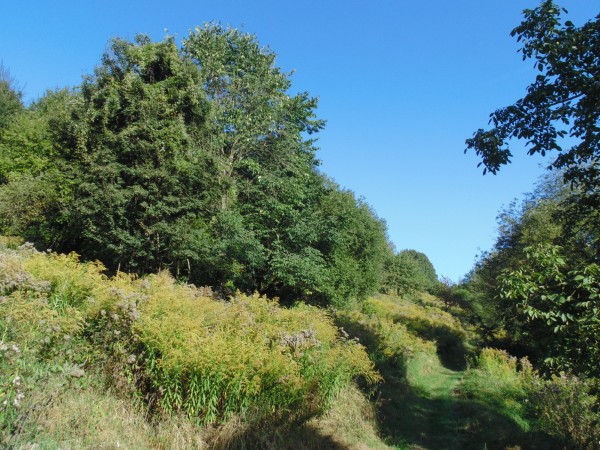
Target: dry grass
pixel 95 419
pixel 351 422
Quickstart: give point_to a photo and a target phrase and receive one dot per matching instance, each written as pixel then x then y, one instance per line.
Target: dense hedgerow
pixel 178 348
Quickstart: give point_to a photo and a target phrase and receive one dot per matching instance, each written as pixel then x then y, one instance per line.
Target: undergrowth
pixel 561 412
pixel 69 333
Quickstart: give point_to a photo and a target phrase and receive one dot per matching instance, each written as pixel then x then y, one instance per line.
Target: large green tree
pixel 195 159
pixel 560 305
pixel 130 143
pixel 562 102
pixel 409 271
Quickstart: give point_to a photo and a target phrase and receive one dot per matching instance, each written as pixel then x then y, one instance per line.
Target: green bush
pixel 40 353
pixel 496 381
pixel 566 407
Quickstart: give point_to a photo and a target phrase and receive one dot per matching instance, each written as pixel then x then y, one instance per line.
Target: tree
pixel 354 244
pixel 563 101
pixel 129 143
pixel 560 309
pixel 409 271
pixel 194 159
pixel 541 220
pixel 252 119
pixel 10 98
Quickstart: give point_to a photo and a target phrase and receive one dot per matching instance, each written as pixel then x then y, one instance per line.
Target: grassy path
pixel 425 414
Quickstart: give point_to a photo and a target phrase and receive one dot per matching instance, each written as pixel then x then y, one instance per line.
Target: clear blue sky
pixel 401 84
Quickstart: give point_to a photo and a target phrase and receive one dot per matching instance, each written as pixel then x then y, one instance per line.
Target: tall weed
pixel 568 408
pixel 213 359
pixel 495 380
pixel 172 346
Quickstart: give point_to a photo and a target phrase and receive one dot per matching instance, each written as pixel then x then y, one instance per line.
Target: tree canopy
pixel 195 159
pixel 561 110
pixel 10 98
pixel 408 271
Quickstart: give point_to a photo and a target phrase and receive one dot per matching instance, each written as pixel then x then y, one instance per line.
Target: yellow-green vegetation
pixel 212 359
pixel 415 400
pixel 390 343
pixel 424 315
pixel 560 411
pixel 68 332
pixel 92 361
pixel 496 381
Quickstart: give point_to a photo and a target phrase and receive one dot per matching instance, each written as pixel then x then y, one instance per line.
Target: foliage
pixel 170 345
pixel 427 319
pixel 496 381
pixel 211 359
pixel 563 100
pixel 407 272
pixel 194 159
pixel 566 407
pixel 544 217
pixel 561 305
pixel 10 99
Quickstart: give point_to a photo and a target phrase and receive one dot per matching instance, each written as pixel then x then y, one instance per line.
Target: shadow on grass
pixel 428 414
pixel 451 347
pixel 410 418
pixel 453 354
pixel 301 437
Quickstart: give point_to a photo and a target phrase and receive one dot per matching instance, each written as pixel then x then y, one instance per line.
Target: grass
pixel 89 361
pixel 92 362
pixel 430 400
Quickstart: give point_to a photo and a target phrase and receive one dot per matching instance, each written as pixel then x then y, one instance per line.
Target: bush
pixel 180 349
pixel 39 351
pixel 213 359
pixel 565 407
pixel 496 381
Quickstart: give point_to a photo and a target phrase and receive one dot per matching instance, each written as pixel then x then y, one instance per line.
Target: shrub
pixel 566 408
pixel 212 359
pixel 39 352
pixel 180 349
pixel 496 381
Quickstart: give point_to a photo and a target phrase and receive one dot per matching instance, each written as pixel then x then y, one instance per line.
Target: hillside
pixel 90 361
pixel 176 270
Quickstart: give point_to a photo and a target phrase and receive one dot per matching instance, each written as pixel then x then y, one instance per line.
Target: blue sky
pixel 401 84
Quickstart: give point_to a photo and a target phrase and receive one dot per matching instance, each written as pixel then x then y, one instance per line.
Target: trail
pixel 424 414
